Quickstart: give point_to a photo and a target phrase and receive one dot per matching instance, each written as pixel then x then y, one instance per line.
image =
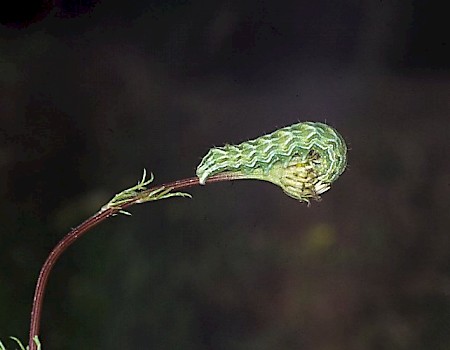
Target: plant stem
pixel 83 228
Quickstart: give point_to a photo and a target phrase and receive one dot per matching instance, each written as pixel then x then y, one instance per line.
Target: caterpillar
pixel 303 159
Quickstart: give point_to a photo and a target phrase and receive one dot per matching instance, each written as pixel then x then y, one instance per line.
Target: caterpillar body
pixel 303 159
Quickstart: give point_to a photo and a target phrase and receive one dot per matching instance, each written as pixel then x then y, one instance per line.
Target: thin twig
pixel 86 226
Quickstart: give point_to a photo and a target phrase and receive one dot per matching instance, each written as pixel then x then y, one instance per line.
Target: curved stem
pixel 83 228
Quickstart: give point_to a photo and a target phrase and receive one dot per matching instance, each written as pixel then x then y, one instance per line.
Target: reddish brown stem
pixel 83 228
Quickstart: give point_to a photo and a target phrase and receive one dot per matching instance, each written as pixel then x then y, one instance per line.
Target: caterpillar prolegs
pixel 304 159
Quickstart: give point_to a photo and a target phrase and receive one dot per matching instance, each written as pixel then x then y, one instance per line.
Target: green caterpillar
pixel 303 159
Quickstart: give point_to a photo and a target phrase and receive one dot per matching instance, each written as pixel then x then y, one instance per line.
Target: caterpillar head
pixel 309 174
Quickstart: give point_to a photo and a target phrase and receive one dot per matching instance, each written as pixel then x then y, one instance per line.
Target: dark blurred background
pixel 91 92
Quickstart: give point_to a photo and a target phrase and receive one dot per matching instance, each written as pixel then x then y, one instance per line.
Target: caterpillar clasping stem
pixel 303 159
